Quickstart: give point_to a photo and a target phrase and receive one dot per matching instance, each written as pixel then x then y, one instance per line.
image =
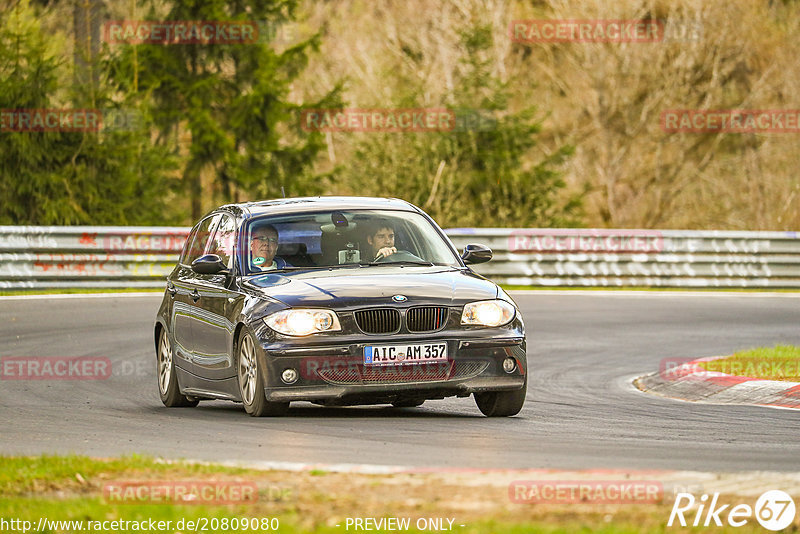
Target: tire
pixel 168 388
pixel 250 378
pixel 408 403
pixel 501 403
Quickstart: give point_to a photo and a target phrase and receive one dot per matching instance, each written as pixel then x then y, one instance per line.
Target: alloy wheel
pixel 164 361
pixel 247 370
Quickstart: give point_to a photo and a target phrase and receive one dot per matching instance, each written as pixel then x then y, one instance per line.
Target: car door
pixel 185 294
pixel 212 327
pixel 178 320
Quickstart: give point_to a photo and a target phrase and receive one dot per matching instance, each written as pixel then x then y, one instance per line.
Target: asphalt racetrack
pixel 581 411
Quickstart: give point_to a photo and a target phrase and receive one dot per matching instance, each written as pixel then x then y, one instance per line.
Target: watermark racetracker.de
pixel 585 240
pixel 170 32
pixel 55 368
pixel 677 368
pixel 193 32
pixel 324 368
pixel 730 120
pixel 69 120
pixel 397 120
pixel 72 368
pixel 203 492
pixel 586 491
pixel 604 31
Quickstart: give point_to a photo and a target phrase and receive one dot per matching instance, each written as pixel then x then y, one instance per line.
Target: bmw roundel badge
pixel 399 298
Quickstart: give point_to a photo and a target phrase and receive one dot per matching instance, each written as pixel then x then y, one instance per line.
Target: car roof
pixel 310 204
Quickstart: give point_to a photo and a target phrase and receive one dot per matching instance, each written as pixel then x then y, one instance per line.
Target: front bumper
pixel 335 374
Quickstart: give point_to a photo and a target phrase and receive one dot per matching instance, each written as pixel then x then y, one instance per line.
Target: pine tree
pixel 109 176
pixel 485 171
pixel 230 102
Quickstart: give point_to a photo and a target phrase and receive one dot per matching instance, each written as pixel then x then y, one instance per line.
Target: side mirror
pixel 209 264
pixel 476 254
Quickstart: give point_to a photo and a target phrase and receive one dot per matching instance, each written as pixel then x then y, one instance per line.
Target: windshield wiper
pixel 402 262
pixel 294 268
pixel 307 268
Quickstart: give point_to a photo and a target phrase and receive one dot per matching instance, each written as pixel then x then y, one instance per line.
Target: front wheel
pixel 408 403
pixel 501 403
pixel 167 380
pixel 251 384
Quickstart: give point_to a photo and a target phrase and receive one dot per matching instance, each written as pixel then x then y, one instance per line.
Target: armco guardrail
pixel 649 258
pixel 84 256
pixel 88 256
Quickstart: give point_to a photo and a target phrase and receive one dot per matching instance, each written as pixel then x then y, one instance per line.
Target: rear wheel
pixel 251 384
pixel 167 380
pixel 501 403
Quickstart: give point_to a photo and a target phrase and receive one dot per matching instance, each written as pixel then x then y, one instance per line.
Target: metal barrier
pixel 646 258
pixel 88 256
pixel 122 257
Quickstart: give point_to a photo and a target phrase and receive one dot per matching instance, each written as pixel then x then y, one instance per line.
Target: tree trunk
pixel 87 18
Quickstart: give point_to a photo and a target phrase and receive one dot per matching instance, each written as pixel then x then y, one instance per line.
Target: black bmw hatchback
pixel 337 301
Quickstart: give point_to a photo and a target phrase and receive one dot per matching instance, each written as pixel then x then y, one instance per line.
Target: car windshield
pixel 354 238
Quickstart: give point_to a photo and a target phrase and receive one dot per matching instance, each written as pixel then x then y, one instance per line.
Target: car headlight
pixel 303 322
pixel 488 313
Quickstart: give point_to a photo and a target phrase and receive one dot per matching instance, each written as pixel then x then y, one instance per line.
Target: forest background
pixel 571 135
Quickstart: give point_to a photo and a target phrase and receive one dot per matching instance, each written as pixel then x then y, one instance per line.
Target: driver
pixel 263 247
pixel 381 240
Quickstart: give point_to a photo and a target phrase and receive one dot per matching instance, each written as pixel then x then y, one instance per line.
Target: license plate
pixel 405 354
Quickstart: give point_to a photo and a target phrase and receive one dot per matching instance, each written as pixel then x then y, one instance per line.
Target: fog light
pixel 289 376
pixel 509 364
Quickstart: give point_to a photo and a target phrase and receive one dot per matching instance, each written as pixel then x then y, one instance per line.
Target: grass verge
pixel 781 362
pixel 75 488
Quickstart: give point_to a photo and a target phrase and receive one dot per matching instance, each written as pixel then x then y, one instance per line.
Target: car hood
pixel 356 287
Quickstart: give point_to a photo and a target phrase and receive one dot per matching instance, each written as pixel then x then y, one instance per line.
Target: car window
pixel 188 244
pixel 223 240
pixel 200 240
pixel 337 238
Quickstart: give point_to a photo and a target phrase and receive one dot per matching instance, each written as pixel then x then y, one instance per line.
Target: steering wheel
pixel 400 255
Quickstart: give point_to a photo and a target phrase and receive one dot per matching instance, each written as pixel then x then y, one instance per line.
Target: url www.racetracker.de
pixel 201 524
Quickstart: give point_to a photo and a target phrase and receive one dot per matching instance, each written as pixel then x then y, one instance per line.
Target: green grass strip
pixel 781 362
pixel 71 488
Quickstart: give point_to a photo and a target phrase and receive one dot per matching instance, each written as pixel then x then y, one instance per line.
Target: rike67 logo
pixel 774 510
